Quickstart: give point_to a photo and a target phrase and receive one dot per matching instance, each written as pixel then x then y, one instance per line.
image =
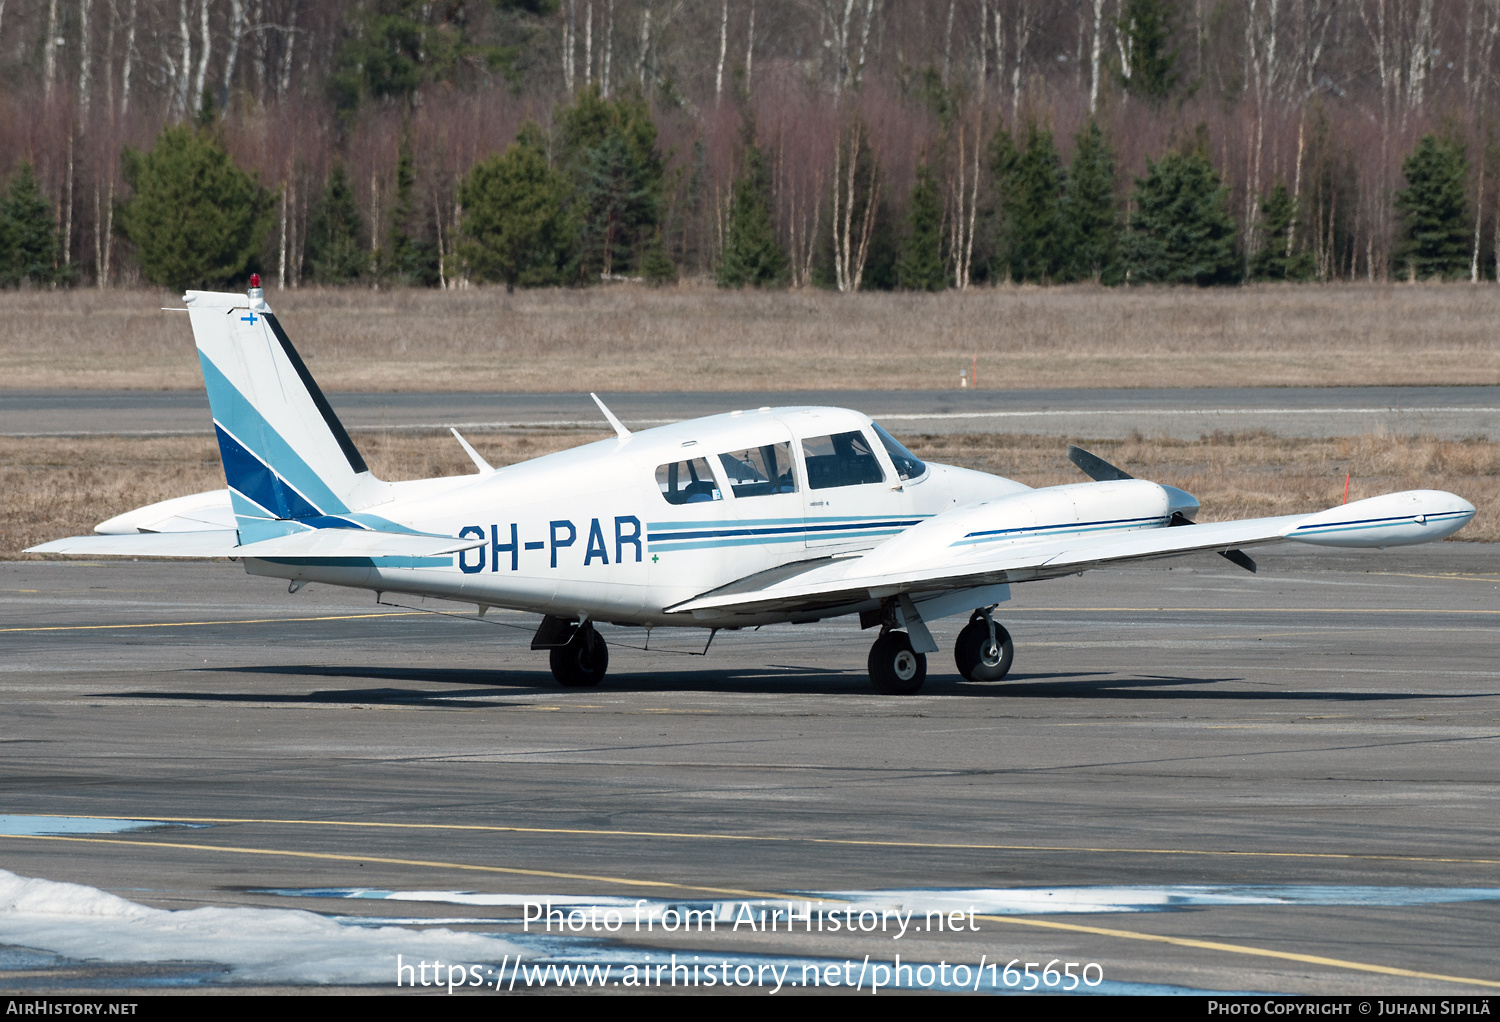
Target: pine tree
pixel 1278 212
pixel 752 255
pixel 1436 232
pixel 921 266
pixel 1031 183
pixel 195 217
pixel 1091 220
pixel 516 227
pixel 1149 28
pixel 411 257
pixel 335 254
pixel 607 149
pixel 1181 231
pixel 28 234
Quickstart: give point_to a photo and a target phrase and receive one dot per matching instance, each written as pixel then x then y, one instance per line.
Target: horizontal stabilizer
pixel 357 543
pixel 215 543
pixel 325 543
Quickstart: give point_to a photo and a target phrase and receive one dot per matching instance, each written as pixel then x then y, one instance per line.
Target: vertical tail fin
pixel 288 460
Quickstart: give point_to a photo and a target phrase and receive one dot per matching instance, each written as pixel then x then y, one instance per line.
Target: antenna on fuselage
pixel 620 430
pixel 485 468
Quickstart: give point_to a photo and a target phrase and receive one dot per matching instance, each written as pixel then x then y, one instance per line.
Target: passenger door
pixel 848 501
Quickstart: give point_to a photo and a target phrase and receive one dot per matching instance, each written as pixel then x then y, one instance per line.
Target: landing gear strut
pixel 895 668
pixel 583 661
pixel 983 651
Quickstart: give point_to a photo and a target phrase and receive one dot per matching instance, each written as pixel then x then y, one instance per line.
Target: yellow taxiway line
pixel 776 839
pixel 1101 931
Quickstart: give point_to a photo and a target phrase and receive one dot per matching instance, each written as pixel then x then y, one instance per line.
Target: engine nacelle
pixel 1121 505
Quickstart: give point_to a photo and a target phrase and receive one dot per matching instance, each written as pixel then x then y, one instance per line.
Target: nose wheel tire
pixel 582 663
pixel 895 668
pixel 977 658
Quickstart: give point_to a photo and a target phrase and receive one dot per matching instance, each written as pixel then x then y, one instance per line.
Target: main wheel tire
pixel 895 668
pixel 582 663
pixel 975 659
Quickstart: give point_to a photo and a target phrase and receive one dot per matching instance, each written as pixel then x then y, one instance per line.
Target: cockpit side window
pixel 757 471
pixel 687 482
pixel 908 465
pixel 841 459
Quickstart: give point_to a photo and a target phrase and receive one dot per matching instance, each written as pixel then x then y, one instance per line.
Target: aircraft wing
pixel 322 543
pixel 941 561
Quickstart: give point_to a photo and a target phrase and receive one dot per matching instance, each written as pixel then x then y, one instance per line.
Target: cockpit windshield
pixel 908 465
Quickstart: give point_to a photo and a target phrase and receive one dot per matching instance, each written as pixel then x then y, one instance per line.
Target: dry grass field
pixel 697 337
pixel 50 488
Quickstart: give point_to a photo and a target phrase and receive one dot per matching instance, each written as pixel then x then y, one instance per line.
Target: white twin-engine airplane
pixel 742 519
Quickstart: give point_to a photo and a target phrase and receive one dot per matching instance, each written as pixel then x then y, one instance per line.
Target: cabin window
pixel 842 459
pixel 908 465
pixel 757 471
pixel 687 482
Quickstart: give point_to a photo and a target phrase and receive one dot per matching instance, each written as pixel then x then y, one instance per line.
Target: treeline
pixel 850 144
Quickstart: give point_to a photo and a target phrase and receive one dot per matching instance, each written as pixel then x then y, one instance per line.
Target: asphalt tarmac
pixel 1446 412
pixel 1290 777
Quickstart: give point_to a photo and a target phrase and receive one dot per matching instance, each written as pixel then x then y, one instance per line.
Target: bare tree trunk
pixel 749 46
pixel 1095 52
pixel 437 219
pixel 180 102
pixel 125 67
pixel 864 38
pixel 1468 38
pixel 982 71
pixel 236 33
pixel 49 51
pixel 588 44
pixel 723 49
pixel 973 195
pixel 1291 231
pixel 85 63
pixel 609 46
pixel 645 42
pixel 568 43
pixel 109 58
pixel 109 231
pixel 1023 36
pixel 948 43
pixel 281 263
pixel 284 85
pixel 1478 220
pixel 67 231
pixel 207 42
pixel 98 240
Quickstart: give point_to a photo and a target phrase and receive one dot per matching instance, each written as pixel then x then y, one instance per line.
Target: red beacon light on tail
pixel 255 291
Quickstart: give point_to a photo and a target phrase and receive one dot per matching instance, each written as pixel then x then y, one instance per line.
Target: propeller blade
pixel 1239 557
pixel 1095 467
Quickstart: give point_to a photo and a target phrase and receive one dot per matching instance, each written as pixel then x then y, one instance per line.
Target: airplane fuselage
pixel 592 532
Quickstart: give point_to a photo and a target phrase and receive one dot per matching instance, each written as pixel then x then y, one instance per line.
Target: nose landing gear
pixel 984 650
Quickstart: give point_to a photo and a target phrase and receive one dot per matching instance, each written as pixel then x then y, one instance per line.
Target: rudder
pixel 289 462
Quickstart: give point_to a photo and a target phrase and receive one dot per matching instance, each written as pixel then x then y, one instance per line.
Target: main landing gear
pixel 983 652
pixel 895 668
pixel 579 654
